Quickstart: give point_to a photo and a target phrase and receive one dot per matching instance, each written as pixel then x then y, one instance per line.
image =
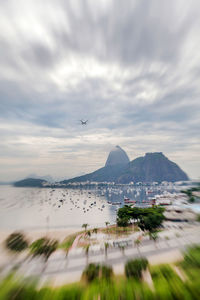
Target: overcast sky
pixel 132 68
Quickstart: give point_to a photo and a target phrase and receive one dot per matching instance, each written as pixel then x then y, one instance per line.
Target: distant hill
pixel 45 177
pixel 29 182
pixel 152 167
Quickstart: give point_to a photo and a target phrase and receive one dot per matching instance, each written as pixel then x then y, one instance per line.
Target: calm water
pixel 35 208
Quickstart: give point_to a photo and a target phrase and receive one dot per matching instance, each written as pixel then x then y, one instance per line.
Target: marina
pixel 30 208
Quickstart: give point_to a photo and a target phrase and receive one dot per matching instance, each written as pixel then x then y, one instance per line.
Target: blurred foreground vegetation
pixel 179 281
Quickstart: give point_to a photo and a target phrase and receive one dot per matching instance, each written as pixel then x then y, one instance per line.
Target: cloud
pixel 130 67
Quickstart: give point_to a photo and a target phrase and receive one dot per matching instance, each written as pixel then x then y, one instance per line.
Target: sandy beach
pixel 59 234
pixel 32 235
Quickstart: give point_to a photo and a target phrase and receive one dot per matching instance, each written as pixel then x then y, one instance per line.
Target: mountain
pixel 109 174
pixel 117 156
pixel 116 162
pixel 152 167
pixel 30 182
pixel 149 168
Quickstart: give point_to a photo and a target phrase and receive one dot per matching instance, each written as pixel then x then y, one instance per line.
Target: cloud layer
pixel 131 67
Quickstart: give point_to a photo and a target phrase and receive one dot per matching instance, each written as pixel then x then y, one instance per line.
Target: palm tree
pixel 95 230
pixel 153 236
pixel 137 243
pixel 106 246
pixel 85 225
pixel 122 248
pixel 43 247
pixel 87 247
pixel 107 223
pixel 16 243
pixel 88 233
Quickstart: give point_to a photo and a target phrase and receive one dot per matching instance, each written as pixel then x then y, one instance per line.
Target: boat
pixel 129 201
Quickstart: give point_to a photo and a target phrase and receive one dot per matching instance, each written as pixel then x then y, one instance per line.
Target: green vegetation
pixel 119 230
pixel 106 246
pixel 107 223
pixel 95 230
pixel 153 236
pixel 134 268
pixel 192 257
pixel 147 219
pixel 96 271
pixel 66 245
pixel 191 262
pixel 97 283
pixel 198 217
pixel 43 247
pixel 123 222
pixel 16 242
pixel 91 272
pixel 87 247
pixel 190 193
pixel 85 226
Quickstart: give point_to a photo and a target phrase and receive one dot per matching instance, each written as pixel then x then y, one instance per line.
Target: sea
pixel 53 208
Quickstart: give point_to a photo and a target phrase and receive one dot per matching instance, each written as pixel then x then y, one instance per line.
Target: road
pixel 60 269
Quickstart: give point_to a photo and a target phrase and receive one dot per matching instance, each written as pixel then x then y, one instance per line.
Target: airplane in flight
pixel 83 122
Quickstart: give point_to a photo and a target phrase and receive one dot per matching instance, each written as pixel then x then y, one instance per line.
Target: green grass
pixel 170 287
pixel 191 262
pixel 67 243
pixel 116 230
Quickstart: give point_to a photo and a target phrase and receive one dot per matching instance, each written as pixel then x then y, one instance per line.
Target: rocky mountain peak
pixel 117 156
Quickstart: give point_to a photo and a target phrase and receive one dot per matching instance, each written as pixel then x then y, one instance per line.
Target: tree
pixel 106 272
pixel 151 222
pixel 88 233
pixel 67 244
pixel 135 213
pixel 107 223
pixel 134 268
pixel 106 246
pixel 153 236
pixel 43 247
pixel 124 212
pixel 122 248
pixel 141 215
pixel 85 225
pixel 87 247
pixel 95 230
pixel 96 271
pixel 91 272
pixel 123 222
pixel 16 242
pixel 189 193
pixel 137 244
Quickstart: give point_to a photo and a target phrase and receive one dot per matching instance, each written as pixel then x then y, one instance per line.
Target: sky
pixel 132 68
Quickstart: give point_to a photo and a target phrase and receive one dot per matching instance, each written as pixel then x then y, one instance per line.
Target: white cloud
pixel 133 72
